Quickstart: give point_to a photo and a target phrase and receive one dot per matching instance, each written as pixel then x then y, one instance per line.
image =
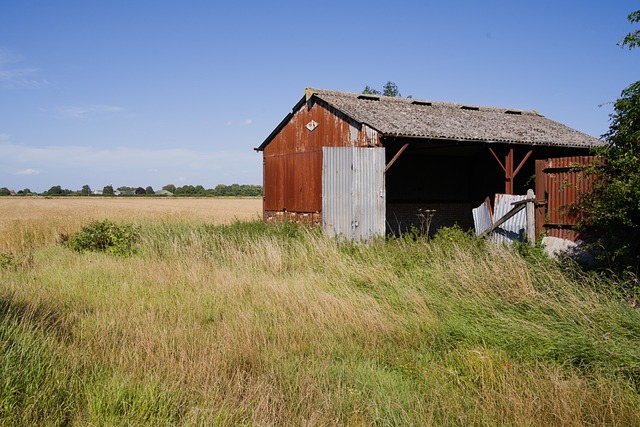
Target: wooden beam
pixel 392 161
pixel 522 162
pixel 502 220
pixel 498 159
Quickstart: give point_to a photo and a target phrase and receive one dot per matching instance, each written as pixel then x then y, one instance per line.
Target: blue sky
pixel 142 93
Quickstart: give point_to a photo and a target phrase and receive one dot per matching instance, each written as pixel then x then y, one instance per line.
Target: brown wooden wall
pixel 293 159
pixel 559 184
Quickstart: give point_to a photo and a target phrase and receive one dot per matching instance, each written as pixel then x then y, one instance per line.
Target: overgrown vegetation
pixel 610 212
pixel 104 236
pixel 254 324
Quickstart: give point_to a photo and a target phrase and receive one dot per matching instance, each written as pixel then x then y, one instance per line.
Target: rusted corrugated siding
pixel 293 159
pixel 563 186
pixel 293 182
pixel 559 184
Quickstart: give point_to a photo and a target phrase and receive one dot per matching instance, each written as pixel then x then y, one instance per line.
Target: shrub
pixel 104 236
pixel 7 261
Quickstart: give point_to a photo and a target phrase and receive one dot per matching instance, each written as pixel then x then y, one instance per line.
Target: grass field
pixel 212 321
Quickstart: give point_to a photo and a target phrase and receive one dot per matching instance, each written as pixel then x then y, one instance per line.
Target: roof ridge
pixel 310 91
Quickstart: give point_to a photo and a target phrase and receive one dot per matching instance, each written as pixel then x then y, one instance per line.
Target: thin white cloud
pixel 245 122
pixel 13 74
pixel 4 137
pixel 81 112
pixel 28 171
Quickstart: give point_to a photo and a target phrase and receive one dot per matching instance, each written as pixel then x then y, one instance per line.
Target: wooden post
pixel 508 173
pixel 508 167
pixel 531 217
pixel 541 188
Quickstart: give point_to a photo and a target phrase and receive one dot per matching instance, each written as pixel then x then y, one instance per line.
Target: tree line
pixel 221 190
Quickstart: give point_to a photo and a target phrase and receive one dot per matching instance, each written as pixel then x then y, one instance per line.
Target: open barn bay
pixel 213 318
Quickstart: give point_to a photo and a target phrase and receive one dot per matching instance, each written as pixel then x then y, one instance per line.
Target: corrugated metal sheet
pixel 563 186
pixel 559 185
pixel 353 192
pixel 293 182
pixel 482 218
pixel 516 227
pixel 292 177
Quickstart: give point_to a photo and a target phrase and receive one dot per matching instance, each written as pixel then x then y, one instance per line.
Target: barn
pixel 362 165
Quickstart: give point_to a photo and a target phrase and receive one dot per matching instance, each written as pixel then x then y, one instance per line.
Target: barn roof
pixel 412 118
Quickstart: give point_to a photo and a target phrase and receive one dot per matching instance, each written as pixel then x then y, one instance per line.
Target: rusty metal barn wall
pixel 332 130
pixel 353 192
pixel 563 187
pixel 293 160
pixel 293 182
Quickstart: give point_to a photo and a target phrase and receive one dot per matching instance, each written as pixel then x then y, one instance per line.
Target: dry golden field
pixel 34 221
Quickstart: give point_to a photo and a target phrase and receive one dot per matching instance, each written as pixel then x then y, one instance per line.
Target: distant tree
pixel 140 191
pixel 632 39
pixel 371 91
pixel 4 191
pixel 24 192
pixel 236 190
pixel 86 190
pixel 107 190
pixel 56 190
pixel 389 89
pixel 125 189
pixel 170 188
pixel 149 190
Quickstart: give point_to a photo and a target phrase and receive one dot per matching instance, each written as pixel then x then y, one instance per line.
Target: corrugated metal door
pixel 560 182
pixel 353 192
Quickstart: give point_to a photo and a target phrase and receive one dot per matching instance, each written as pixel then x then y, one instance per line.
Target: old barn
pixel 362 165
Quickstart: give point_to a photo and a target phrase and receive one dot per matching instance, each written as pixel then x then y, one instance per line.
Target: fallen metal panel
pixel 482 219
pixel 513 229
pixel 353 192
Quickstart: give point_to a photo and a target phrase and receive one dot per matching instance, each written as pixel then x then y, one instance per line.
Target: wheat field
pixel 28 222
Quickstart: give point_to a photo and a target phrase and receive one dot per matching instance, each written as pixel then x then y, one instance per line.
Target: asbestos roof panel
pixel 405 117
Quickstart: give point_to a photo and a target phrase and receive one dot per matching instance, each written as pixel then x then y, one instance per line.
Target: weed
pixel 7 261
pixel 104 236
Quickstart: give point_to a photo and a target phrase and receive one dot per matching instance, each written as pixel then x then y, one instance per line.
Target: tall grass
pixel 248 324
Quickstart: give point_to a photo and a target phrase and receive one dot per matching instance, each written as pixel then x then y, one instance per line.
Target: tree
pixel 86 190
pixel 371 91
pixel 149 190
pixel 611 210
pixel 56 190
pixel 632 39
pixel 139 191
pixel 107 190
pixel 170 188
pixel 4 191
pixel 389 89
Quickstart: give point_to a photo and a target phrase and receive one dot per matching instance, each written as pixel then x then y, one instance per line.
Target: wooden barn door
pixel 353 192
